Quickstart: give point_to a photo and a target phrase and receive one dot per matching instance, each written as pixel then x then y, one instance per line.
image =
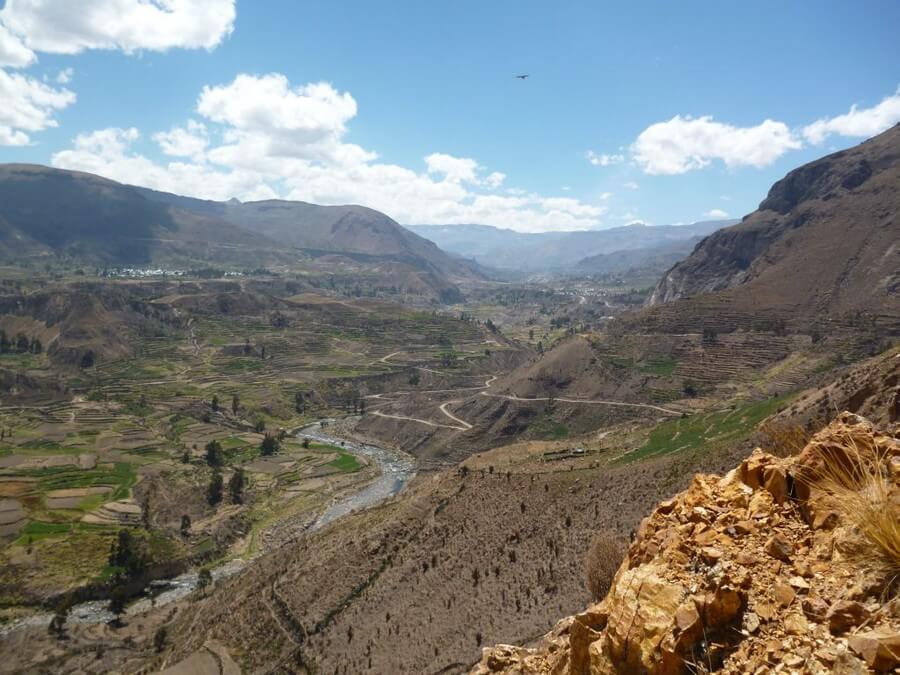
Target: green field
pixel 704 430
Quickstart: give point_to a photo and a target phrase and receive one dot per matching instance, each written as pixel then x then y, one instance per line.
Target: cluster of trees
pixel 269 445
pixel 20 344
pixel 355 403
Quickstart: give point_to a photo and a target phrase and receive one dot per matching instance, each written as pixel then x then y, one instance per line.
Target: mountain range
pixel 566 251
pixel 51 211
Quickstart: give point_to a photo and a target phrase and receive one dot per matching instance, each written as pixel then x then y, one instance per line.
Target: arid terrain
pixel 386 462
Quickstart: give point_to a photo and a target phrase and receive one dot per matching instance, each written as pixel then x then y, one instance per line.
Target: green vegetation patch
pixel 346 462
pixel 702 430
pixel 120 476
pixel 664 365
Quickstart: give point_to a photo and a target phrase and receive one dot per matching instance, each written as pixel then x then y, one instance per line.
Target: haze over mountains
pixel 563 251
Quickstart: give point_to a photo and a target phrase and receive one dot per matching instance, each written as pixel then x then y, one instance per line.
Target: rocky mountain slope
pixel 784 564
pixel 831 226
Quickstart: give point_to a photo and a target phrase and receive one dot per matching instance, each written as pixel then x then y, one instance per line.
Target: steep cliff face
pixel 773 566
pixel 825 240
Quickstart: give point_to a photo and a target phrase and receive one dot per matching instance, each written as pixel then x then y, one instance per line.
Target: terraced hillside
pixel 122 441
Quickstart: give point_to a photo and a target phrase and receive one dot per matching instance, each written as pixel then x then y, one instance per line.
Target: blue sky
pixel 663 112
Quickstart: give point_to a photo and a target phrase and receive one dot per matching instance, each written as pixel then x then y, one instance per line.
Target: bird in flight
pixel 522 77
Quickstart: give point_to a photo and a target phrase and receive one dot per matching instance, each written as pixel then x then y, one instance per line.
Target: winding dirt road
pixel 462 425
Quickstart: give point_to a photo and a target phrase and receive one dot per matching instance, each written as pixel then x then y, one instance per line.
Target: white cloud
pixel 603 159
pixel 725 198
pixel 108 152
pixel 686 143
pixel 13 52
pixel 716 213
pixel 285 141
pixel 67 27
pixel 189 141
pixel 631 185
pixel 455 169
pixel 268 122
pixel 857 123
pixel 28 106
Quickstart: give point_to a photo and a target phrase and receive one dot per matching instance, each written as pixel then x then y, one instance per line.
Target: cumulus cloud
pixel 454 169
pixel 857 123
pixel 188 141
pixel 66 27
pixel 259 137
pixel 716 213
pixel 109 152
pixel 686 143
pixel 603 159
pixel 28 106
pixel 13 52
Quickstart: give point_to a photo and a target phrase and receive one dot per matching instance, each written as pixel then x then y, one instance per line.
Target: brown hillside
pixel 764 570
pixel 823 245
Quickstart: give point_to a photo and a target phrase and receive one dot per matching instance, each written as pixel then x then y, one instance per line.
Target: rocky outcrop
pixel 822 243
pixel 762 570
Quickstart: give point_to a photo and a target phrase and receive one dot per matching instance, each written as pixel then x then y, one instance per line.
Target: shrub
pixel 859 485
pixel 600 564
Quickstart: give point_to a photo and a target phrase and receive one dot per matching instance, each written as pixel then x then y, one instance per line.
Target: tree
pixel 414 378
pixel 540 348
pixel 160 638
pixel 690 388
pixel 22 343
pixel 236 486
pixel 204 578
pixel 186 456
pixel 235 404
pixel 259 427
pixel 215 403
pixel 214 489
pixel 269 445
pixel 185 525
pixel 214 453
pixel 57 625
pixel 127 555
pixel 305 444
pixel 36 346
pixel 117 602
pixel 87 359
pixel 299 402
pixel 4 342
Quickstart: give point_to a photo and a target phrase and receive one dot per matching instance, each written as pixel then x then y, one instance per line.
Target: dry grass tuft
pixel 601 563
pixel 786 440
pixel 860 487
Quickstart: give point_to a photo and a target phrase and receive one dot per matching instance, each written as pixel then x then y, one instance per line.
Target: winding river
pixel 396 469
